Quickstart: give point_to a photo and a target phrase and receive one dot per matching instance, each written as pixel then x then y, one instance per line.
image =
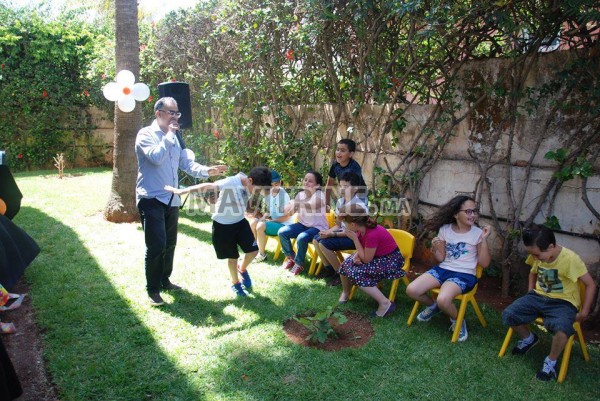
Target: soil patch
pixel 355 333
pixel 25 350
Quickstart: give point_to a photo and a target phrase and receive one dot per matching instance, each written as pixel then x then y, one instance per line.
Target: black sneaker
pixel 522 348
pixel 546 373
pixel 155 299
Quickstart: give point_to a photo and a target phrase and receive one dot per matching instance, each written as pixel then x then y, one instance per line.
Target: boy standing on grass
pixel 230 228
pixel 553 295
pixel 343 163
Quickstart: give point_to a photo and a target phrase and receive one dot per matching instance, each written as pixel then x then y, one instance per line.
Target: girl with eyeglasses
pixel 458 248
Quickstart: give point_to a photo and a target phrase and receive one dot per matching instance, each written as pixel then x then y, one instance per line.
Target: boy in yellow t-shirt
pixel 553 295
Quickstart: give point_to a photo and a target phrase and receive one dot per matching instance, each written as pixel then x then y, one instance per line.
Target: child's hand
pixel 487 230
pixel 437 240
pixel 350 234
pixel 174 190
pixel 325 234
pixel 289 208
pixel 356 259
pixel 217 170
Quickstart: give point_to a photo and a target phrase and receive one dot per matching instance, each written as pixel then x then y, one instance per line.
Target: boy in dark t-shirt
pixel 343 163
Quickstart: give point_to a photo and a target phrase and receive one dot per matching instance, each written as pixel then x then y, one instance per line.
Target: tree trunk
pixel 121 206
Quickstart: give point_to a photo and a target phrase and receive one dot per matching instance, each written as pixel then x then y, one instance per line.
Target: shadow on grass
pixel 105 352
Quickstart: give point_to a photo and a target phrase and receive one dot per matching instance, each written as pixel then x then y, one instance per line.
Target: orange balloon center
pixel 126 91
pixel 2 207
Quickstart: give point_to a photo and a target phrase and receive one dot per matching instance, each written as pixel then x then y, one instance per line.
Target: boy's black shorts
pixel 227 237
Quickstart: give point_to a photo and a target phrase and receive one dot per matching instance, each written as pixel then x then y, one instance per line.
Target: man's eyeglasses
pixel 172 113
pixel 470 212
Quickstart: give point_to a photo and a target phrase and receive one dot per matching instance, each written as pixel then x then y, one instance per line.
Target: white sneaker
pixel 260 257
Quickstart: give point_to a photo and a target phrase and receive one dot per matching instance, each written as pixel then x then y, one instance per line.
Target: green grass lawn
pixel 103 341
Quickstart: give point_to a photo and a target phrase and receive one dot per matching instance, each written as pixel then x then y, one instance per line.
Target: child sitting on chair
pixel 271 222
pixel 334 239
pixel 377 258
pixel 230 227
pixel 553 295
pixel 458 248
pixel 310 206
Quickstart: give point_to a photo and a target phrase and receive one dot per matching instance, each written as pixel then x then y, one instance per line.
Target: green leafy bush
pixel 320 324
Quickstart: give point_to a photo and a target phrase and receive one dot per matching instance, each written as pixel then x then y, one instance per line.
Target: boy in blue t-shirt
pixel 230 227
pixel 343 163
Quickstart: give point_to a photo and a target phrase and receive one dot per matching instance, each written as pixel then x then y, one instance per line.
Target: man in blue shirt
pixel 160 156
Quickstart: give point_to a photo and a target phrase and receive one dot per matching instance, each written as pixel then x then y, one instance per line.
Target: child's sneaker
pixel 428 313
pixel 547 372
pixel 523 346
pixel 260 257
pixel 239 291
pixel 296 269
pixel 463 334
pixel 246 281
pixel 288 263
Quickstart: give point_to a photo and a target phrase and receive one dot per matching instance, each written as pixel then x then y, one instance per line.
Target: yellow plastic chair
pixel 278 248
pixel 566 356
pixel 406 244
pixel 276 238
pixel 464 299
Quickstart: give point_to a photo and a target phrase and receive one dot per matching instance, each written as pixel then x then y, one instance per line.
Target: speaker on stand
pixel 180 91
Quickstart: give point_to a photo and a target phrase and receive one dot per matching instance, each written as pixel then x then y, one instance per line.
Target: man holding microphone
pixel 160 155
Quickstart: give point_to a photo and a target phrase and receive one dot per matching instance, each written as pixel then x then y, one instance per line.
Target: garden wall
pixel 457 171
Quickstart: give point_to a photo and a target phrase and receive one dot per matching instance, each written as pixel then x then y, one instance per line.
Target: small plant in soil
pixel 319 325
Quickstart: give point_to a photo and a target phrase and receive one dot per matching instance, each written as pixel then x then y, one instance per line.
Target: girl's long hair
pixel 445 214
pixel 353 213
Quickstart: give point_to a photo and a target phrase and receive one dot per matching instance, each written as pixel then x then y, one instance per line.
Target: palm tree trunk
pixel 121 206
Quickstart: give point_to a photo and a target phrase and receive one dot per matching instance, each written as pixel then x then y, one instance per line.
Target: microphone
pixel 180 139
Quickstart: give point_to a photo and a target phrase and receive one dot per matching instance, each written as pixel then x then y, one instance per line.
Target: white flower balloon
pixel 125 91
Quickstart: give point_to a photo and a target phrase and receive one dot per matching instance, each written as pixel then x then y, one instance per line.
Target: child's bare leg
pixel 247 259
pixel 377 295
pixel 559 340
pixel 233 272
pixel 445 299
pixel 261 237
pixel 346 288
pixel 417 290
pixel 330 256
pixel 522 331
pixel 253 223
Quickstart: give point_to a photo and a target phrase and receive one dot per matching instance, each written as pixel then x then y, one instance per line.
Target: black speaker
pixel 180 91
pixel 10 196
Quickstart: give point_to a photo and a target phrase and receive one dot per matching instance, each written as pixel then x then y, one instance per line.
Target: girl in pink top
pixel 377 258
pixel 310 206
